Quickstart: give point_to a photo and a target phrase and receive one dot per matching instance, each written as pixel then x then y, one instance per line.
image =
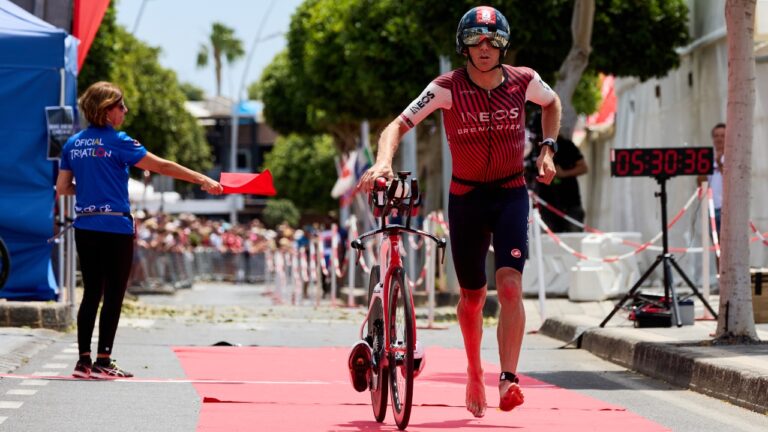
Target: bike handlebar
pixel 397 228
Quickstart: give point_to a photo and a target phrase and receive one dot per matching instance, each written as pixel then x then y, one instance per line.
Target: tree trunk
pixel 574 64
pixel 217 69
pixel 736 320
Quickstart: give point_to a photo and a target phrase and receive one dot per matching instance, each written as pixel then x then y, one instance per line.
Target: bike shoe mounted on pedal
pixel 360 365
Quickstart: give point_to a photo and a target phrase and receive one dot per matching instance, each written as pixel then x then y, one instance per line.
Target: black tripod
pixel 670 295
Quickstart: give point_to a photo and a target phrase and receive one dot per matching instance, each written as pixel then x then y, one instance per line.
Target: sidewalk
pixel 682 356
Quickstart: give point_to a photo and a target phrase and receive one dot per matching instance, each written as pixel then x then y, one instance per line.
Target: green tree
pixel 281 210
pixel 222 44
pixel 347 60
pixel 192 92
pixel 350 60
pixel 303 171
pixel 156 114
pixel 280 87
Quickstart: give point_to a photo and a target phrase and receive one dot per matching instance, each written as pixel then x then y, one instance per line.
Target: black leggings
pixel 105 263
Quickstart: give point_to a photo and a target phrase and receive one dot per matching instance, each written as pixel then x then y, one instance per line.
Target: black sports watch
pixel 549 142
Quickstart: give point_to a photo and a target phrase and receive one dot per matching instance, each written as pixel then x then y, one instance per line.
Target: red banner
pixel 86 22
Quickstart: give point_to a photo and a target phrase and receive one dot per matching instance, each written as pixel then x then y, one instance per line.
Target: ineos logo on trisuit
pixel 422 103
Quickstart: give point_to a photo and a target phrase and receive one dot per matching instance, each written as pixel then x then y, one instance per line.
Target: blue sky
pixel 180 26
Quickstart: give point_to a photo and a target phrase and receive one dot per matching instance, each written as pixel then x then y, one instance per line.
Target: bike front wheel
pixel 402 334
pixel 376 339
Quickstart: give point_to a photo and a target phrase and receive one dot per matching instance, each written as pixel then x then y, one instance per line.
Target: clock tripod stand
pixel 668 262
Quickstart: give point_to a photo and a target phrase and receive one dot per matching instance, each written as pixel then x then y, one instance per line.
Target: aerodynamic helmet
pixel 480 23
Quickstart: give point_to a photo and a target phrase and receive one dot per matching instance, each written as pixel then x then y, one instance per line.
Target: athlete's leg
pixel 470 316
pixel 470 240
pixel 510 241
pixel 510 331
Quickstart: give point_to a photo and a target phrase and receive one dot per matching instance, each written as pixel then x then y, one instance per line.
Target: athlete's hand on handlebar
pixel 379 169
pixel 546 166
pixel 211 186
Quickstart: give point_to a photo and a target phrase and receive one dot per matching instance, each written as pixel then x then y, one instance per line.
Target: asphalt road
pixel 242 314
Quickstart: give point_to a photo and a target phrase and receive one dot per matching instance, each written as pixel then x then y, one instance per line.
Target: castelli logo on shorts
pixel 516 253
pixel 486 15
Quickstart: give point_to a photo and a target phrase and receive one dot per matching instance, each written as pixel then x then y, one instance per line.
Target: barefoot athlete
pixel 97 160
pixel 483 107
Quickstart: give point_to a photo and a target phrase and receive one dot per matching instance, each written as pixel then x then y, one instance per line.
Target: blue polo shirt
pixel 99 158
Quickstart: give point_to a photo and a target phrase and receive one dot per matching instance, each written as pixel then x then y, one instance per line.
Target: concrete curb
pixel 685 364
pixel 49 315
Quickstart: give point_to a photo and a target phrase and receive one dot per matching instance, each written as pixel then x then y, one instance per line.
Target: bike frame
pixel 390 260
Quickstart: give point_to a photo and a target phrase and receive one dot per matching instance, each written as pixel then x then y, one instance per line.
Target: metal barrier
pixel 165 272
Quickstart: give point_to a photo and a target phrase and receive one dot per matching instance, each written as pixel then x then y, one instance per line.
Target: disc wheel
pixel 402 342
pixel 376 339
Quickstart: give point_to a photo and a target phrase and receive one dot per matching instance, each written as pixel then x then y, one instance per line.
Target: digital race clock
pixel 661 162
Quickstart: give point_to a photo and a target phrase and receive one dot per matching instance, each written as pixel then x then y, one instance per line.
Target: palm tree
pixel 221 42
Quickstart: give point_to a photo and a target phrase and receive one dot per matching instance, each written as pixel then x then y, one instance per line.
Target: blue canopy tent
pixel 38 68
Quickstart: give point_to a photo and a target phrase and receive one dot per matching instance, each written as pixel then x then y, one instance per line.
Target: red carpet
pixel 308 389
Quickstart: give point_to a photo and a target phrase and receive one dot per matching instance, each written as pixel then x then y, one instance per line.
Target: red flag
pixel 85 24
pixel 247 183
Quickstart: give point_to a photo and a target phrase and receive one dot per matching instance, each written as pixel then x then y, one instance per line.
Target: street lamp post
pixel 235 121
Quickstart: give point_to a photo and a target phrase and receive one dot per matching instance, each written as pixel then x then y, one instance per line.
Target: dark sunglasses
pixel 474 36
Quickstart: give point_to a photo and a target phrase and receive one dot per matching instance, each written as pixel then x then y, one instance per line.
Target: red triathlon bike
pixel 389 328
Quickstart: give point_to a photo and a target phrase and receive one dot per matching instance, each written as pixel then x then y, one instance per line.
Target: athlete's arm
pixel 151 162
pixel 388 143
pixel 432 98
pixel 64 185
pixel 540 93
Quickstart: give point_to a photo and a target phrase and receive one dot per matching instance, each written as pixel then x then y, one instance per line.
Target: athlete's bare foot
pixel 510 395
pixel 476 394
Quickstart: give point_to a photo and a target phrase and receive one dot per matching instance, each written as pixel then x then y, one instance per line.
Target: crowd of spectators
pixel 186 232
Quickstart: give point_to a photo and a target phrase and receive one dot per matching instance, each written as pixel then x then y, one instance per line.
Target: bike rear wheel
pixel 5 263
pixel 376 339
pixel 402 334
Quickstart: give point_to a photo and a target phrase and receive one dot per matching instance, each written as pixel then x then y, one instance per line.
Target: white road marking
pixel 22 392
pixel 70 350
pixel 10 404
pixel 33 382
pixel 55 366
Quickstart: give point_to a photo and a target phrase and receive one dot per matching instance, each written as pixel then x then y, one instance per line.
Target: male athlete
pixel 483 107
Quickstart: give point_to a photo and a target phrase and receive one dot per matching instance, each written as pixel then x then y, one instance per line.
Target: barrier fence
pixel 307 274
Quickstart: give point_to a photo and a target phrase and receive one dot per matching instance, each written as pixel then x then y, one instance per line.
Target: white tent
pixel 145 198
